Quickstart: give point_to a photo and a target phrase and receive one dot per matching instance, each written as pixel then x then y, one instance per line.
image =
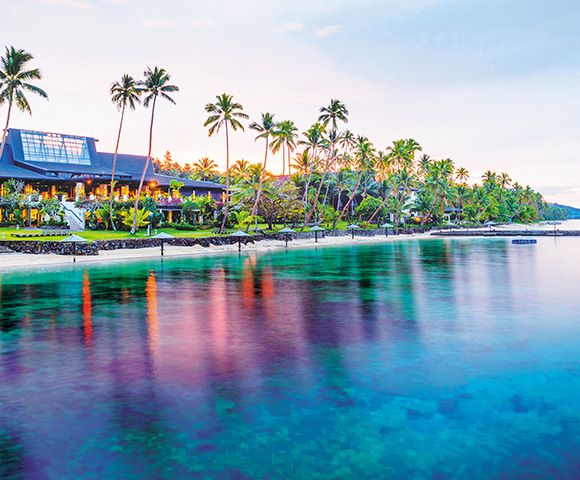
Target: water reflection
pixel 293 365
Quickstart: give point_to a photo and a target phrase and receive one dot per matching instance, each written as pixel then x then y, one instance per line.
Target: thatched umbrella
pixel 352 228
pixel 74 239
pixel 239 235
pixel 490 224
pixel 316 229
pixel 286 231
pixel 386 226
pixel 163 236
pixel 554 222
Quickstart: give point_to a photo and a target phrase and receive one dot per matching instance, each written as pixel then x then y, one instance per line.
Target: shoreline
pixel 26 260
pixel 18 261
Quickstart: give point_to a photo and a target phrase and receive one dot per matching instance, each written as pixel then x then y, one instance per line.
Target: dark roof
pixel 12 171
pixel 15 164
pixel 70 168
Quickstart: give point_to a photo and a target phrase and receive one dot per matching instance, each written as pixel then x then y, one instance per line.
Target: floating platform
pixel 524 241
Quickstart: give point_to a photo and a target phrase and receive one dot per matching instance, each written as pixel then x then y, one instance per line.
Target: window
pixel 53 147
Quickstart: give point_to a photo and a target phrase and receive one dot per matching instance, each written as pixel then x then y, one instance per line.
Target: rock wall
pixel 58 248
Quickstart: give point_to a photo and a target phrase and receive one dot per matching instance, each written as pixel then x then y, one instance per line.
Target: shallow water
pixel 427 359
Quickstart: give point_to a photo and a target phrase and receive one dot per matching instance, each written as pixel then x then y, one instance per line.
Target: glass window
pixel 53 147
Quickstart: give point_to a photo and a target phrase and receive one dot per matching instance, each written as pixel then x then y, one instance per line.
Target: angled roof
pixel 31 155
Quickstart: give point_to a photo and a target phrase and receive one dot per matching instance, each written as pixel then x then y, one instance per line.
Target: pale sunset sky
pixel 492 84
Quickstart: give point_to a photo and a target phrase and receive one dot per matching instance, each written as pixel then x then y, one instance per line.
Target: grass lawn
pixel 7 232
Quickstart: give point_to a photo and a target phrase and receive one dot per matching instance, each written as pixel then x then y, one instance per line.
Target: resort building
pixel 70 166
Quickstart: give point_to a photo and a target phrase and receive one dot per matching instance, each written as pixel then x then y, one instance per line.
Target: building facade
pixel 71 166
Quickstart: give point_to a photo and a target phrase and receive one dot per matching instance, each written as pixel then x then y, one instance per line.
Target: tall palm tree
pixel 265 129
pixel 335 111
pixel 14 80
pixel 155 85
pixel 438 183
pixel 313 142
pixel 285 139
pixel 365 156
pixel 224 113
pixel 123 94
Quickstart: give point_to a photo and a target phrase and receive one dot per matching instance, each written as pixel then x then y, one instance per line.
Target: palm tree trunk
pixel 258 195
pixel 426 217
pixel 283 162
pixel 317 194
pixel 222 229
pixel 305 196
pixel 114 163
pixel 380 206
pixel 337 221
pixel 6 128
pixel 136 206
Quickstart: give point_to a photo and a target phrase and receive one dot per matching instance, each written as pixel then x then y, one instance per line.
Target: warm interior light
pixel 89 181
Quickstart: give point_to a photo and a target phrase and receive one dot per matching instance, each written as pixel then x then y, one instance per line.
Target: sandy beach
pixel 19 260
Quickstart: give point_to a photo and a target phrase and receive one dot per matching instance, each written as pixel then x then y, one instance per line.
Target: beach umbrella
pixel 286 231
pixel 316 229
pixel 162 236
pixel 386 226
pixel 239 235
pixel 554 222
pixel 490 224
pixel 352 228
pixel 74 239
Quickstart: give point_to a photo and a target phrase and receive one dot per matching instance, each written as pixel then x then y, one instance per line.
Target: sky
pixel 493 84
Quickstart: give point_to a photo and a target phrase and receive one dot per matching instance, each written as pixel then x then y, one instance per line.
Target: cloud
pixel 292 27
pixel 326 31
pixel 156 23
pixel 80 4
pixel 203 22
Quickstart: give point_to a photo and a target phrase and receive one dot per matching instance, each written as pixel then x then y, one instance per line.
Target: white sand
pixel 17 260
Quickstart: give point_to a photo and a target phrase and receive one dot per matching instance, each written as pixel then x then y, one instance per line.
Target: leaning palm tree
pixel 123 94
pixel 265 129
pixel 223 113
pixel 14 80
pixel 365 158
pixel 155 85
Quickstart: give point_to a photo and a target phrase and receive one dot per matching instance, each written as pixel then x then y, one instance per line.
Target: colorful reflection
pixel 87 310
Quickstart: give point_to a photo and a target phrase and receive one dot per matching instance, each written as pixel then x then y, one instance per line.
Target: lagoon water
pixel 425 359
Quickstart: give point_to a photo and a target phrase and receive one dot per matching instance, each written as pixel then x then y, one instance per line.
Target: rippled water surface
pixel 434 359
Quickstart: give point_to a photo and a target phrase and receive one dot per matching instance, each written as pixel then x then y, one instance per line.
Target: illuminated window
pixel 52 147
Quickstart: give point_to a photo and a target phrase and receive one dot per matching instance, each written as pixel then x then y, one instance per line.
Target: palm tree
pixel 155 85
pixel 239 169
pixel 284 138
pixel 332 114
pixel 204 169
pixel 462 174
pixel 123 94
pixel 14 79
pixel 224 113
pixel 265 128
pixel 365 156
pixel 438 183
pixel 314 141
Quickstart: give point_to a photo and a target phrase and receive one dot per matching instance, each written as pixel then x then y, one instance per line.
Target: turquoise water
pixel 433 359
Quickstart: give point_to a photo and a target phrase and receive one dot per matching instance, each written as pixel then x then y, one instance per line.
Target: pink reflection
pixel 219 320
pixel 152 322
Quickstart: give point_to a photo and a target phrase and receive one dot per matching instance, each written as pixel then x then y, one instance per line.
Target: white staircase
pixel 75 217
